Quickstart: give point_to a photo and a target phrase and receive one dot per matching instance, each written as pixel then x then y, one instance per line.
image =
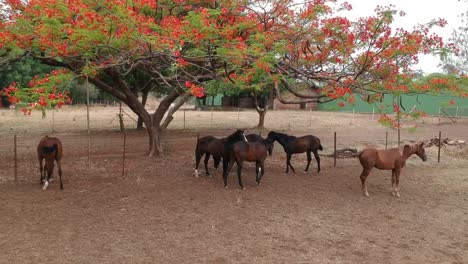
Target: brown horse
pixel 247 151
pixel 292 145
pixel 210 145
pixel 50 149
pixel 392 159
pixel 258 138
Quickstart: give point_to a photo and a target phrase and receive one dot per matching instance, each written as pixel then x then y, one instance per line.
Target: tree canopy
pixel 182 45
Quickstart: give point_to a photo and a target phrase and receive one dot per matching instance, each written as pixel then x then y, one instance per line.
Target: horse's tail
pixel 320 145
pixel 50 149
pixel 358 155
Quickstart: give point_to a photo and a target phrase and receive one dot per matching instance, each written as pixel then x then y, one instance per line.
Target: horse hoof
pixel 258 183
pixel 243 188
pixel 225 187
pixel 366 194
pixel 397 195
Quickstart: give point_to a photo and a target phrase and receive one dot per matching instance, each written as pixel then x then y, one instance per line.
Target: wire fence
pixel 109 146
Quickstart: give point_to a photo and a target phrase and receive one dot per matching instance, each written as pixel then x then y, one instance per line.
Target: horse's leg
pixel 288 160
pixel 227 166
pixel 364 174
pixel 397 182
pixel 59 165
pixel 239 171
pixel 216 161
pixel 47 177
pixel 393 182
pixel 207 158
pixel 262 168
pixel 257 167
pixel 317 157
pixel 41 169
pixel 309 158
pixel 198 156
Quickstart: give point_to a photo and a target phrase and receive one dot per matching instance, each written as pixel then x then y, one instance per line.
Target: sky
pixel 418 12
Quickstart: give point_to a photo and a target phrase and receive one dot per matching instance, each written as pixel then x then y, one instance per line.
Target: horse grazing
pixel 293 145
pixel 50 149
pixel 392 159
pixel 258 138
pixel 210 145
pixel 247 151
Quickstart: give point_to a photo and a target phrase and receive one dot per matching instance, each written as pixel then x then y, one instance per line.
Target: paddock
pixel 158 212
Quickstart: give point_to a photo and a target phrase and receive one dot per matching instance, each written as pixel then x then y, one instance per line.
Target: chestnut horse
pixel 50 149
pixel 210 145
pixel 392 159
pixel 293 145
pixel 247 151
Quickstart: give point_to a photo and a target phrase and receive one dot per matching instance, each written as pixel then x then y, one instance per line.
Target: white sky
pixel 418 12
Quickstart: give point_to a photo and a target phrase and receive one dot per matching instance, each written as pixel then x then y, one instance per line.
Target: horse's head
pixel 239 135
pixel 272 136
pixel 420 151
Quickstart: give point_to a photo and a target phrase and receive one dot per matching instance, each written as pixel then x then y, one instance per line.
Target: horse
pixel 210 145
pixel 50 149
pixel 247 151
pixel 392 159
pixel 293 145
pixel 258 138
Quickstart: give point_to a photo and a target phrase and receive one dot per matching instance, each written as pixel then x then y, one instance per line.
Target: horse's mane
pixel 232 138
pixel 284 135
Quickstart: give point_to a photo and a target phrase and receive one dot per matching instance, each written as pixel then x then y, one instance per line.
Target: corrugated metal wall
pixel 427 103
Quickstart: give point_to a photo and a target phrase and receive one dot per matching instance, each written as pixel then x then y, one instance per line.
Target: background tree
pixel 457 62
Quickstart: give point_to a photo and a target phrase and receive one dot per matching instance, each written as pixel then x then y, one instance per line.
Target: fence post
pixel 88 123
pixel 124 149
pixel 334 149
pixel 354 112
pixel 211 121
pixel 310 116
pixel 16 158
pixel 440 144
pixel 53 120
pixel 398 118
pixel 386 139
pixel 456 112
pixel 184 119
pixel 439 115
pixel 373 111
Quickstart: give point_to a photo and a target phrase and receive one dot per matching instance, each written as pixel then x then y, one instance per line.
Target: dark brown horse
pixel 50 149
pixel 392 159
pixel 210 145
pixel 247 151
pixel 258 138
pixel 293 145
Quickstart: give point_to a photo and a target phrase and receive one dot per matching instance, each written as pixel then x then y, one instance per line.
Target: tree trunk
pixel 155 131
pixel 261 120
pixel 261 112
pixel 144 98
pixel 174 107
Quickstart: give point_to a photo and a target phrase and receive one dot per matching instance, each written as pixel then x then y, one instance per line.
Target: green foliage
pixel 22 72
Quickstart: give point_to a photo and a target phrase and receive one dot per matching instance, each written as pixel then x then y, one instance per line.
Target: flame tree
pixel 181 45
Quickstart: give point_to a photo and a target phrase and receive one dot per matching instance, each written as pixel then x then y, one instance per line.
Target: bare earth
pixel 158 212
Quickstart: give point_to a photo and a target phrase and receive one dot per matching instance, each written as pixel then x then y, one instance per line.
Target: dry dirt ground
pixel 158 212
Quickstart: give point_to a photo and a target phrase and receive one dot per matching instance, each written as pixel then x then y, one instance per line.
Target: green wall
pixel 427 103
